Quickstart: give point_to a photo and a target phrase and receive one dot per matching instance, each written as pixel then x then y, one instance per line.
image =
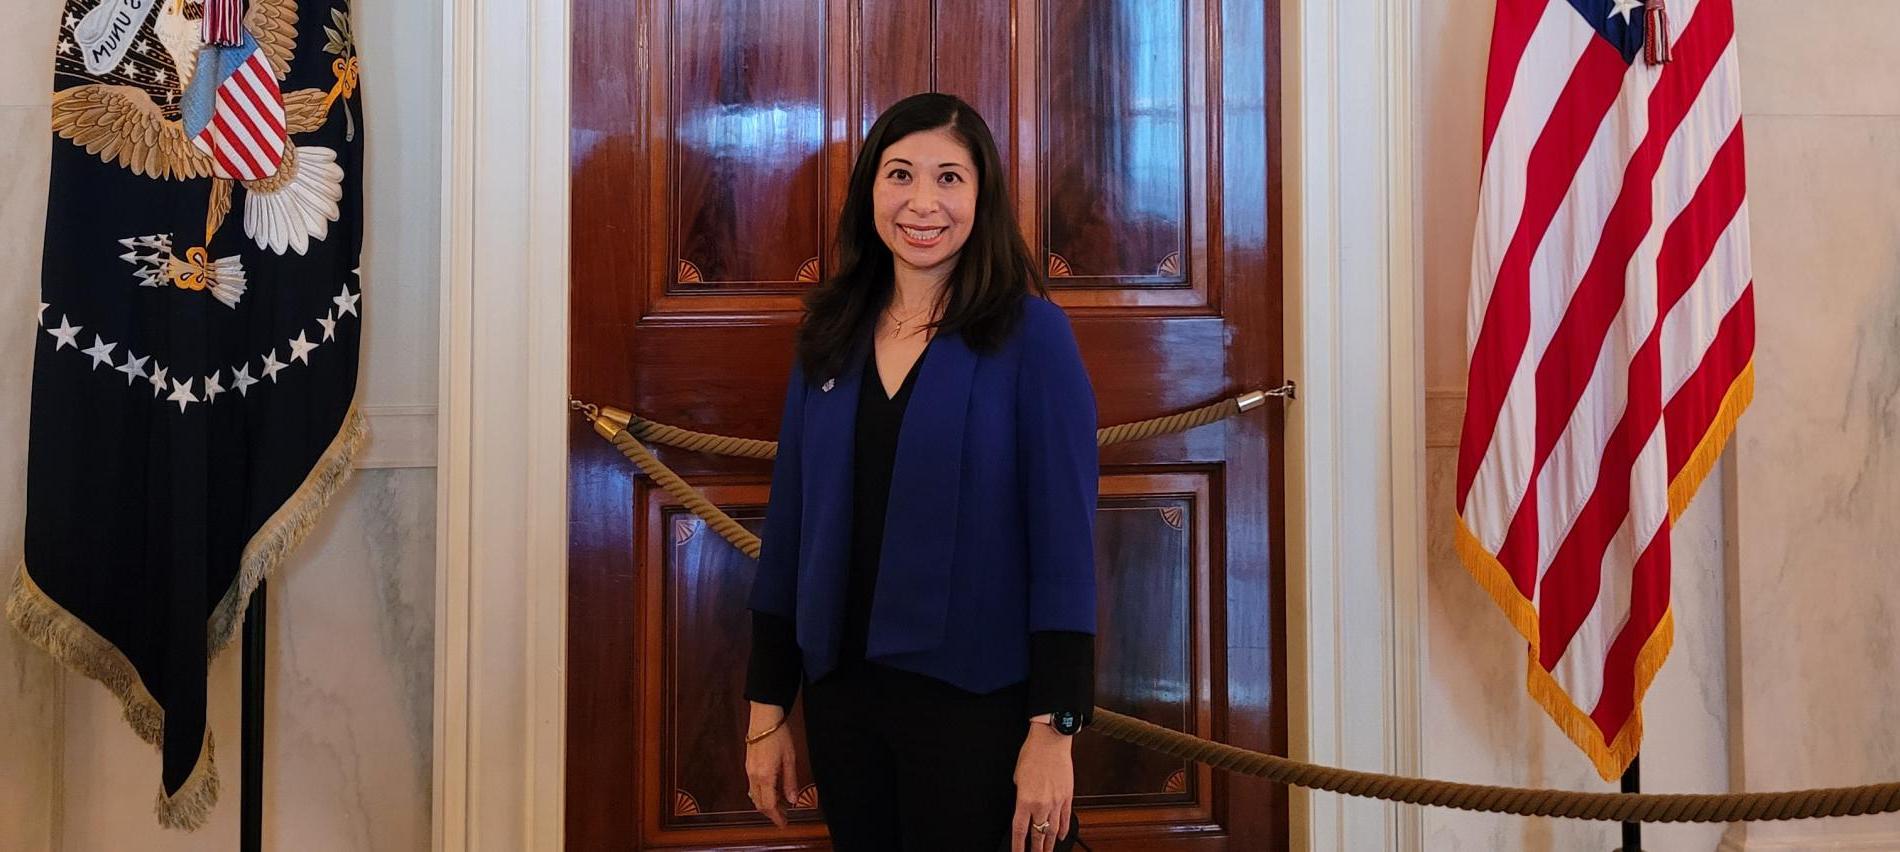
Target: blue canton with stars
pixel 1619 22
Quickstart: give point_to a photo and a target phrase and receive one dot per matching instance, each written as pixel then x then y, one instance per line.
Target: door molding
pixel 1355 438
pixel 501 498
pixel 1354 445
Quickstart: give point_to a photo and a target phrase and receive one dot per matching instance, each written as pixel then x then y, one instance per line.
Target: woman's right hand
pixel 771 764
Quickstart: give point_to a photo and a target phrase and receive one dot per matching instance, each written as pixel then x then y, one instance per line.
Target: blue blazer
pixel 989 532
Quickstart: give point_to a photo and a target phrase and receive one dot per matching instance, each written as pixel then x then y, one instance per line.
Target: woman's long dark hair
pixel 994 270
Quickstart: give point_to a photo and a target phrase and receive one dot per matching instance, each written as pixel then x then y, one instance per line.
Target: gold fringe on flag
pixel 68 639
pixel 1610 758
pixel 1708 451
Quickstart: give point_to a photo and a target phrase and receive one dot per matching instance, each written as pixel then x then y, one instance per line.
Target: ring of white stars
pixel 203 390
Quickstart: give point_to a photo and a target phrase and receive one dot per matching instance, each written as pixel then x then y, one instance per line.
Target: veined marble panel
pixel 1817 596
pixel 348 702
pixel 1835 57
pixel 30 701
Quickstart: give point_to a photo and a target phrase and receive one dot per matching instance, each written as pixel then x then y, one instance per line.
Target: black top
pixel 1061 662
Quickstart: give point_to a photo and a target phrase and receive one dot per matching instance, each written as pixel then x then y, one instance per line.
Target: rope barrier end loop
pixel 608 421
pixel 1254 399
pixel 611 421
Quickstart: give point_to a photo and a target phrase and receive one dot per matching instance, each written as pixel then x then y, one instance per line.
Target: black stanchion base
pixel 251 776
pixel 1632 783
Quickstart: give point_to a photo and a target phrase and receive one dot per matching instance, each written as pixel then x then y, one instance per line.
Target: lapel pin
pixel 828 385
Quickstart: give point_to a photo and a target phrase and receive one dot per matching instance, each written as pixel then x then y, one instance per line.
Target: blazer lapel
pixel 913 584
pixel 830 435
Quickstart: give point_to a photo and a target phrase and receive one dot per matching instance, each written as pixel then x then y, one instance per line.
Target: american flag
pixel 1611 328
pixel 234 111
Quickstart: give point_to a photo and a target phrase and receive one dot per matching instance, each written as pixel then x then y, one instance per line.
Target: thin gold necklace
pixel 897 325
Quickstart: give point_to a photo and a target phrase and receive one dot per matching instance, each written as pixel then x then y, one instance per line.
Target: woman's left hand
pixel 1045 789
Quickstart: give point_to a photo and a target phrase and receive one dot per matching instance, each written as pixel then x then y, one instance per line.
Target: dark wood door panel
pixel 1124 176
pixel 1155 654
pixel 1116 166
pixel 603 623
pixel 745 134
pixel 696 712
pixel 711 142
pixel 1153 571
pixel 975 58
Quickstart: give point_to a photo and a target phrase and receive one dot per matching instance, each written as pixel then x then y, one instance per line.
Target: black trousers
pixel 908 763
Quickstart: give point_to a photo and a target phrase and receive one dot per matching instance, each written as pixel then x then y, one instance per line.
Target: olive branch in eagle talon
pixel 340 42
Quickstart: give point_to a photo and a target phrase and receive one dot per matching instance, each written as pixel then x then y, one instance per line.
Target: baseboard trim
pixel 400 436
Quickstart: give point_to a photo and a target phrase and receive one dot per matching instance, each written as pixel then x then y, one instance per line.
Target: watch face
pixel 1066 722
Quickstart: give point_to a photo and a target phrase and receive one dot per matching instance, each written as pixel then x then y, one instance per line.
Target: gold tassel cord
pixel 618 427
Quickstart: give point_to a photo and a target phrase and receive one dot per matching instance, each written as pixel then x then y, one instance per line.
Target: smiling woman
pixel 924 198
pixel 739 202
pixel 928 166
pixel 975 511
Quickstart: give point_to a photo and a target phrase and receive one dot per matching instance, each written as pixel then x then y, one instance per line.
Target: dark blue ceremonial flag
pixel 195 375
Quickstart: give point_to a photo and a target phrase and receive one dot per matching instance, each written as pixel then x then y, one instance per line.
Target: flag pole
pixel 251 780
pixel 1633 831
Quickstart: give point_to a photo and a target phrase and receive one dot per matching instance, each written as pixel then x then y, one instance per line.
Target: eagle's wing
pixel 219 207
pixel 274 24
pixel 122 125
pixel 304 110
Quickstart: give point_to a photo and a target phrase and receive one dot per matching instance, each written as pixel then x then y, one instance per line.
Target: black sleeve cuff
pixel 775 668
pixel 1062 672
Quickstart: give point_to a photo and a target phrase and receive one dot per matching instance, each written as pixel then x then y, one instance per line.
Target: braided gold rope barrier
pixel 613 425
pixel 653 431
pixel 1611 807
pixel 700 442
pixel 714 517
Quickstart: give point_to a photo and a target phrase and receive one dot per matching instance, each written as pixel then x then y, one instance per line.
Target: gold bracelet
pixel 754 739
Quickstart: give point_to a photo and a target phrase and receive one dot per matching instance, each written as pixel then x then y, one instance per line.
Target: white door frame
pixel 1354 438
pixel 1356 493
pixel 501 570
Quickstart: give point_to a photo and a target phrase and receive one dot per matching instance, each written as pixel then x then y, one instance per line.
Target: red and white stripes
pixel 246 135
pixel 1611 331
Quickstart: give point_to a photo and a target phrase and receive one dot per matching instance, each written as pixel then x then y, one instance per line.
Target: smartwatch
pixel 1066 722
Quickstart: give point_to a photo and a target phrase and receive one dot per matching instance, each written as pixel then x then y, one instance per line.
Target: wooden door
pixel 711 142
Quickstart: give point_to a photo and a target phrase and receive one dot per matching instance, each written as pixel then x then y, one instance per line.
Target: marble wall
pixel 1776 680
pixel 1816 599
pixel 31 697
pixel 348 723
